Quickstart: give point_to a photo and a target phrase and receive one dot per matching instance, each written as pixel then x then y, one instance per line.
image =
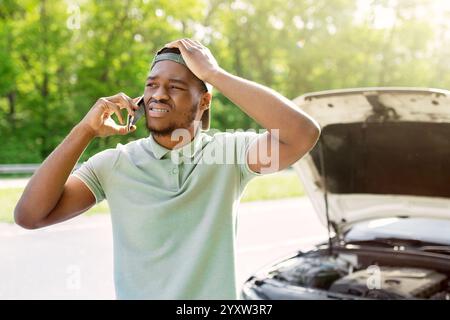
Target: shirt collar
pixel 188 151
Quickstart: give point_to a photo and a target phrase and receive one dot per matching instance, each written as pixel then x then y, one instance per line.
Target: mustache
pixel 152 100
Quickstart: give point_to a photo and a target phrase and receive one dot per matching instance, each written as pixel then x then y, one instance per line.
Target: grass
pixel 270 187
pixel 14 175
pixel 8 200
pixel 273 186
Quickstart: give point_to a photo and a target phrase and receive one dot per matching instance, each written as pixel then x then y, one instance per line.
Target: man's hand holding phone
pixel 99 121
pixel 132 119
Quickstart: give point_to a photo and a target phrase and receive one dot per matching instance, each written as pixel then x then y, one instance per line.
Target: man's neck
pixel 185 137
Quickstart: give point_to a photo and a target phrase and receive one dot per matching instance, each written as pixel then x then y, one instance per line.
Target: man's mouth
pixel 157 109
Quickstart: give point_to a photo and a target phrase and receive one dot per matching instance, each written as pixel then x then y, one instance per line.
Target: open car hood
pixel 383 152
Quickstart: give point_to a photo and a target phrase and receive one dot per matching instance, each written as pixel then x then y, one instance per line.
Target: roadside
pixel 6 183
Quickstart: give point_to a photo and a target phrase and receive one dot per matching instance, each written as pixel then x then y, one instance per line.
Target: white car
pixel 379 179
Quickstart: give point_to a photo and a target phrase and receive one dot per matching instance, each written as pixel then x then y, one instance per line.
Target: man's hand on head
pixel 198 58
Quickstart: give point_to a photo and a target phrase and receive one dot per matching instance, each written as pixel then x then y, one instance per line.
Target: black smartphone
pixel 137 114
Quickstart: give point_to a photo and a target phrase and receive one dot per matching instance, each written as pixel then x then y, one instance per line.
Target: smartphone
pixel 137 114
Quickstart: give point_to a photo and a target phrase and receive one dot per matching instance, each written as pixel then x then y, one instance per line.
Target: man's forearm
pixel 47 184
pixel 267 107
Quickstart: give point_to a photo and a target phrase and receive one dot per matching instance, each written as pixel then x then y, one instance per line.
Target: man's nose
pixel 160 93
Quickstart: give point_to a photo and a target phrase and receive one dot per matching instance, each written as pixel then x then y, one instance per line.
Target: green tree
pixel 58 58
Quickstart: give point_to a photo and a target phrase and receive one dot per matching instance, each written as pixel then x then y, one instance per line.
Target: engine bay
pixel 345 275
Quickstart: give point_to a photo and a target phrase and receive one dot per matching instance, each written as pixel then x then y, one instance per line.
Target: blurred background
pixel 58 57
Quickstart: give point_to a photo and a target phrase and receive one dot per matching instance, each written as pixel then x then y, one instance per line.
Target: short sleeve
pixel 243 142
pixel 95 171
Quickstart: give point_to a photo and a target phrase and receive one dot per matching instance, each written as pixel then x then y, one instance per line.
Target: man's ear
pixel 205 101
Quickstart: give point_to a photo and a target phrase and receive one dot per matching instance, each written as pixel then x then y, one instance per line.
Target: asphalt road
pixel 73 260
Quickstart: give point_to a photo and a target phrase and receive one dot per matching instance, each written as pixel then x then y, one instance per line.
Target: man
pixel 173 203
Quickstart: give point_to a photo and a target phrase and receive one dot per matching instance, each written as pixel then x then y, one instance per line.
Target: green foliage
pixel 57 58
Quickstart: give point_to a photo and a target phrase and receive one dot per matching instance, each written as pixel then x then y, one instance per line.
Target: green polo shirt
pixel 173 213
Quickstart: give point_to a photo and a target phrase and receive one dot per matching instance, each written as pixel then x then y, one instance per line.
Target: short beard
pixel 173 125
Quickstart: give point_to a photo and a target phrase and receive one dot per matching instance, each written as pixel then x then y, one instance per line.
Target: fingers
pixel 121 101
pixel 112 128
pixel 120 130
pixel 123 130
pixel 178 44
pixel 173 44
pixel 183 45
pixel 194 43
pixel 124 102
pixel 186 43
pixel 113 105
pixel 131 106
pixel 113 108
pixel 189 47
pixel 136 100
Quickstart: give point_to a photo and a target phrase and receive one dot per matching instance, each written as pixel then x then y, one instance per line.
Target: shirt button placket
pixel 175 179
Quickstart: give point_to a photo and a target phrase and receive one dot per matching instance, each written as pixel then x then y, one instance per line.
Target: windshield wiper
pixel 390 242
pixel 399 242
pixel 436 249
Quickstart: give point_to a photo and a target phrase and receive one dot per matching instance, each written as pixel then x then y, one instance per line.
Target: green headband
pixel 178 58
pixel 168 56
